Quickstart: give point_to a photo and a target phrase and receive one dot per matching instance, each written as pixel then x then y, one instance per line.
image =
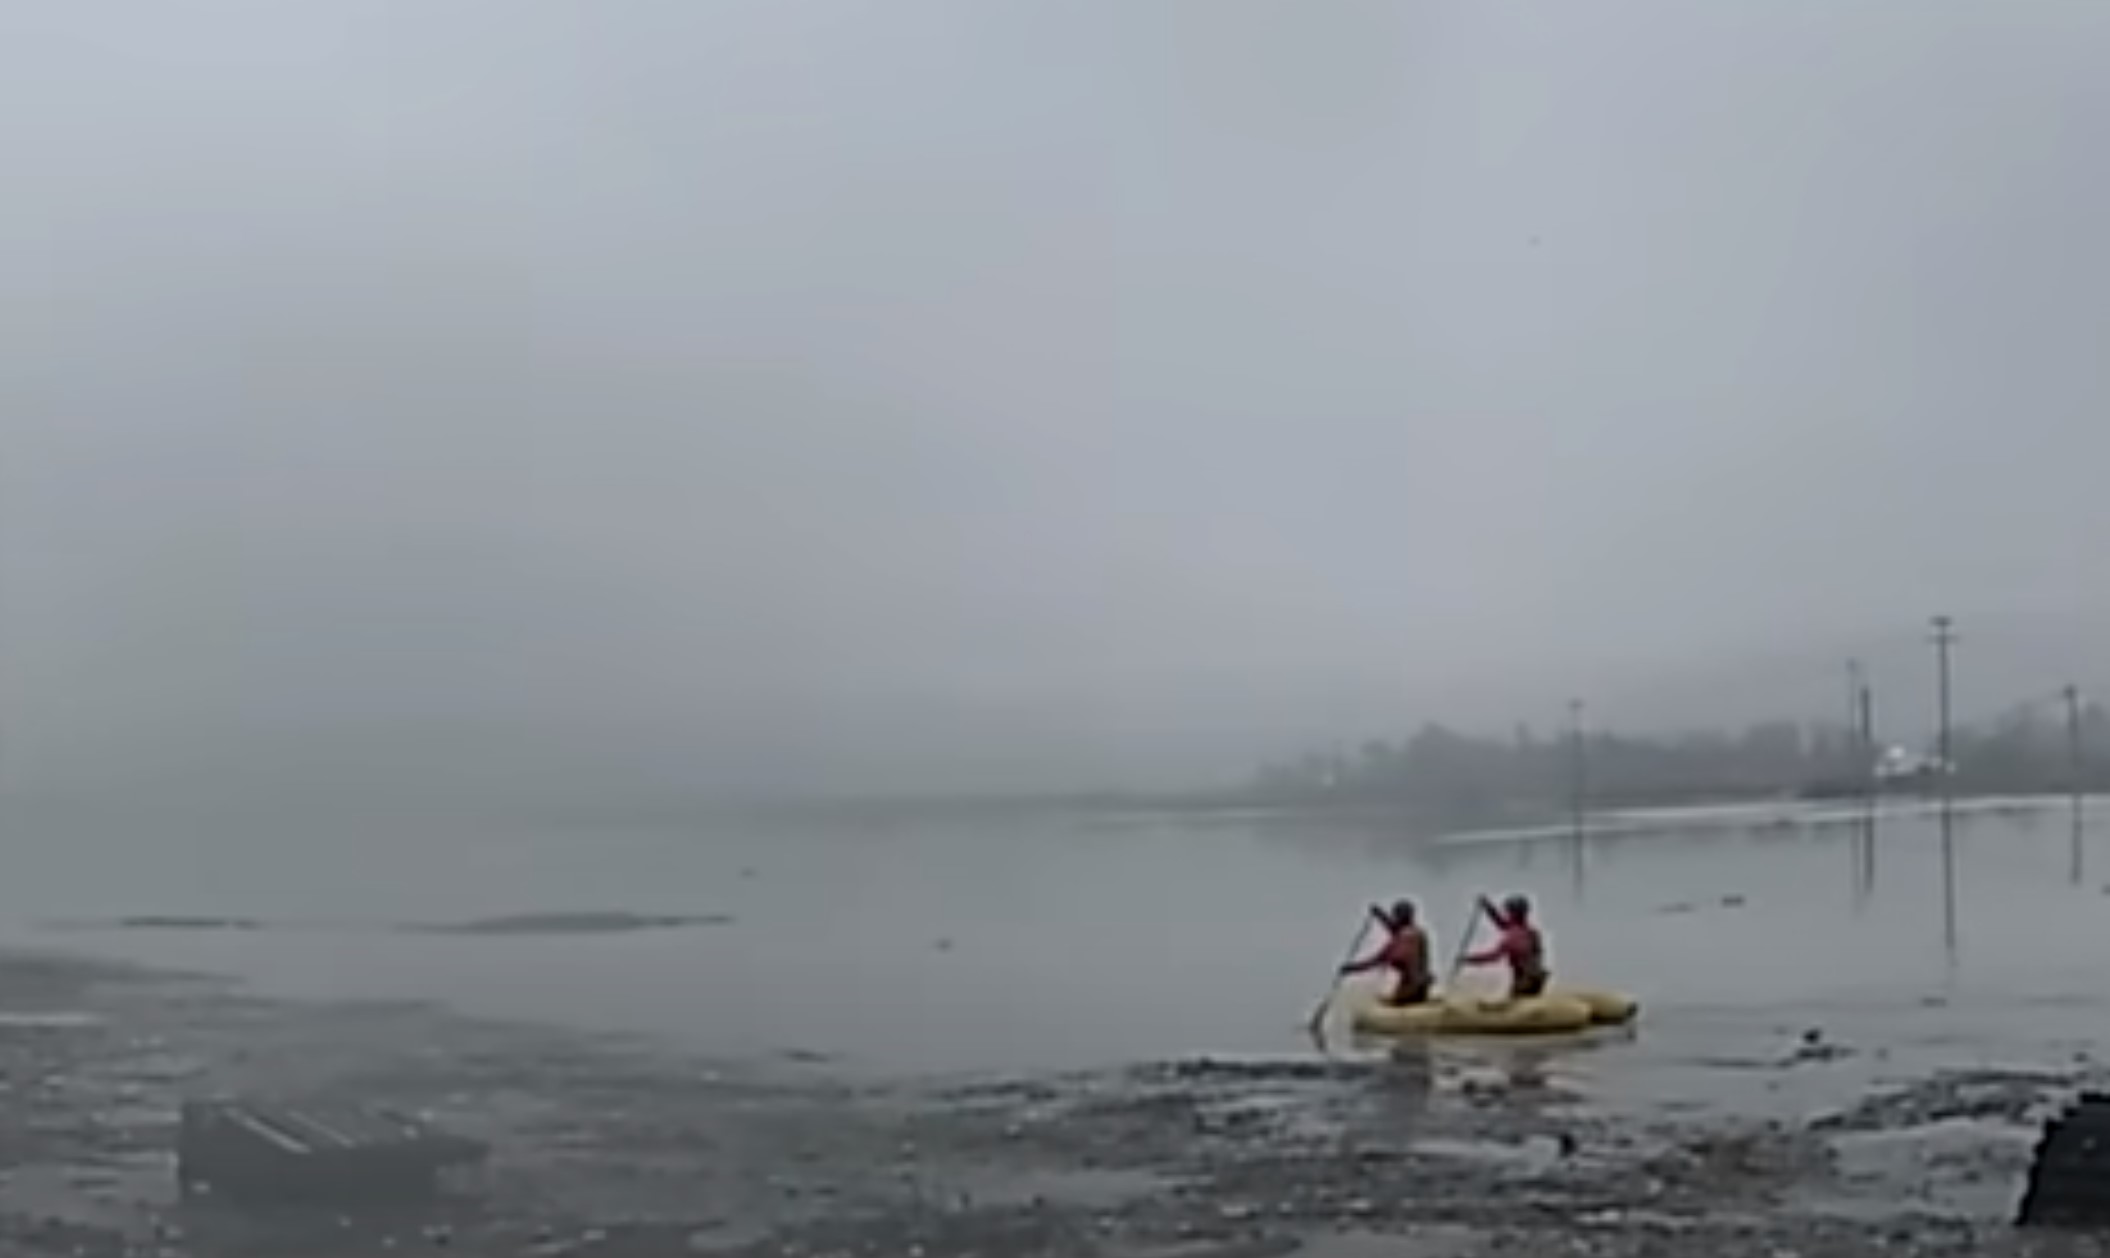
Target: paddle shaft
pixel 1355 949
pixel 1465 944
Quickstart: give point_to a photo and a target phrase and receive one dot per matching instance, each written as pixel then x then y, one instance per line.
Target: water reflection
pixel 1525 1067
pixel 1412 1077
pixel 1549 1069
pixel 1890 850
pixel 1415 1065
pixel 1862 851
pixel 1870 824
pixel 2077 858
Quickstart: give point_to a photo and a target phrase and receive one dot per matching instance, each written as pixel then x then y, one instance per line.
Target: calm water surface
pixel 1056 943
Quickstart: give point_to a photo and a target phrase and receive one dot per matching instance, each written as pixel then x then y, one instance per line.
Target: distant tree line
pixel 1444 771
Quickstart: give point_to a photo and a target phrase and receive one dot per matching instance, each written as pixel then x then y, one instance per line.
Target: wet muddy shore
pixel 609 1148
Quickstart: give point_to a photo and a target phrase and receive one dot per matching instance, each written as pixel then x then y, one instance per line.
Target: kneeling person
pixel 1520 946
pixel 1405 953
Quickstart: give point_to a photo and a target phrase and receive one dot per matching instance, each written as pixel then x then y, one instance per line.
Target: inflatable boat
pixel 1607 1008
pixel 1561 1011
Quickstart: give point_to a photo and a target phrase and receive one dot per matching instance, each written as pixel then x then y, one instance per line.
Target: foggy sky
pixel 727 396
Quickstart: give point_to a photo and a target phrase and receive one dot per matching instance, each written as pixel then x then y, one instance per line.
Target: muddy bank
pixel 608 1148
pixel 553 922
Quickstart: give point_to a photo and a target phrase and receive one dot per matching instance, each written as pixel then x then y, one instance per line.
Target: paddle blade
pixel 1316 1024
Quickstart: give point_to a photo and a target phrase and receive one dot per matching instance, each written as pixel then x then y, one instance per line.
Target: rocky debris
pixel 2009 1096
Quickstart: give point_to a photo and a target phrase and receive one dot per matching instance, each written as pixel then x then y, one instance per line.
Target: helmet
pixel 1516 907
pixel 1402 911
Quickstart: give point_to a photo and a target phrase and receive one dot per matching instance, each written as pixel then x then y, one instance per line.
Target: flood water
pixel 1051 943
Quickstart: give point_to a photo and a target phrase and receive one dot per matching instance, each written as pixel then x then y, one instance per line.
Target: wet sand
pixel 611 1148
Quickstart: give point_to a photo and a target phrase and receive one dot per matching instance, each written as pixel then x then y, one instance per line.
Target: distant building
pixel 1899 767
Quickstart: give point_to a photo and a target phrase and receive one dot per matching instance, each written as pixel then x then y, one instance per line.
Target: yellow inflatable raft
pixel 1606 1008
pixel 1464 1015
pixel 1561 1011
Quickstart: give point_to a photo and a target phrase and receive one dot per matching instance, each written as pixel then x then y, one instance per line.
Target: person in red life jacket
pixel 1520 946
pixel 1405 952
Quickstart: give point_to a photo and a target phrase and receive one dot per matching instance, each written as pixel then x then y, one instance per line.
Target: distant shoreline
pixel 1607 816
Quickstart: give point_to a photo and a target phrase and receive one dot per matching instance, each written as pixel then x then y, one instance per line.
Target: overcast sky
pixel 743 394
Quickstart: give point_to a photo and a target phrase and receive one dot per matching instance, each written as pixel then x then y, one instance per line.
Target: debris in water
pixel 1815 1048
pixel 581 923
pixel 173 922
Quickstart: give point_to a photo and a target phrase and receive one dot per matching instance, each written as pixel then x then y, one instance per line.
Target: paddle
pixel 1465 945
pixel 1317 1022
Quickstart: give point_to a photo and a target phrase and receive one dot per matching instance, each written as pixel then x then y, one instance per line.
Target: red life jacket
pixel 1408 953
pixel 1526 951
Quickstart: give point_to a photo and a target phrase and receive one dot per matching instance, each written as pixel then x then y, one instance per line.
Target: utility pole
pixel 1578 771
pixel 1945 638
pixel 1853 702
pixel 1865 734
pixel 2074 783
